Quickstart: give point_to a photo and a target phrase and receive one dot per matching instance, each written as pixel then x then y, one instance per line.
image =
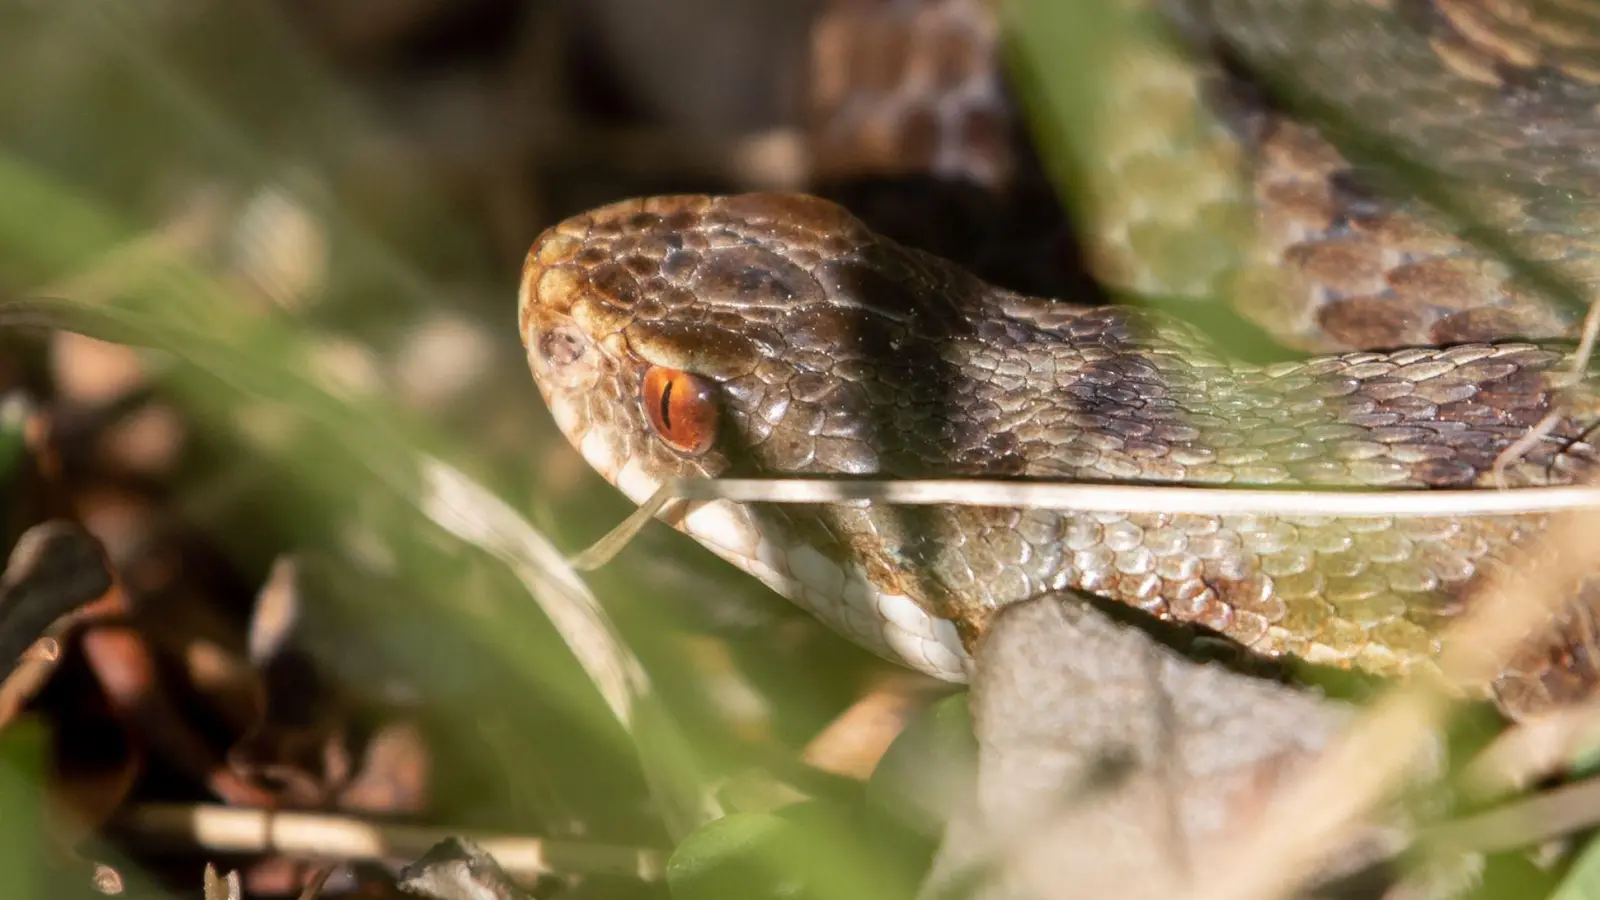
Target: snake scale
pixel 779 335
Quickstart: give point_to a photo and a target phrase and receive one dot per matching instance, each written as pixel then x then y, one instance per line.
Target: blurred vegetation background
pixel 302 427
pixel 302 224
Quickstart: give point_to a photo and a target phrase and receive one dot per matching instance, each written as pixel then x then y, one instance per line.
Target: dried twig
pixel 221 829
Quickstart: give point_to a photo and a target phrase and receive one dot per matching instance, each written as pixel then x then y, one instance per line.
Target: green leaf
pixel 23 746
pixel 740 855
pixel 929 768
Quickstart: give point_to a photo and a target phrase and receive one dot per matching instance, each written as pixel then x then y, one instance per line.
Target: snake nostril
pixel 562 346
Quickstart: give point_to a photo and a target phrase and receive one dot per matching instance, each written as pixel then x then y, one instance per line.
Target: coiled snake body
pixel 779 335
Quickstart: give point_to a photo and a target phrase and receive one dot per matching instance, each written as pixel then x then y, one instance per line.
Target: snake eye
pixel 682 408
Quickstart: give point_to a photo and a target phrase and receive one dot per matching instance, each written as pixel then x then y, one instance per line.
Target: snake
pixel 781 335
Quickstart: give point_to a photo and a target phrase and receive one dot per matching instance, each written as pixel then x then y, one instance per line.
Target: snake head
pixel 683 336
pixel 752 335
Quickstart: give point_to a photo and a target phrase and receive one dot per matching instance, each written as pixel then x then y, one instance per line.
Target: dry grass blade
pixel 1539 818
pixel 1533 750
pixel 602 551
pixel 1144 497
pixel 470 512
pixel 1124 498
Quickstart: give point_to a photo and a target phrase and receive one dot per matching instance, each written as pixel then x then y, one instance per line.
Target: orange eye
pixel 682 408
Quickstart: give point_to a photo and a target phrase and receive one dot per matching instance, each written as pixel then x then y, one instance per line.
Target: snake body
pixel 779 335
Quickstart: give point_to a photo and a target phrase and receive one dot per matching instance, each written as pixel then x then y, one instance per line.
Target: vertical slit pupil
pixel 666 405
